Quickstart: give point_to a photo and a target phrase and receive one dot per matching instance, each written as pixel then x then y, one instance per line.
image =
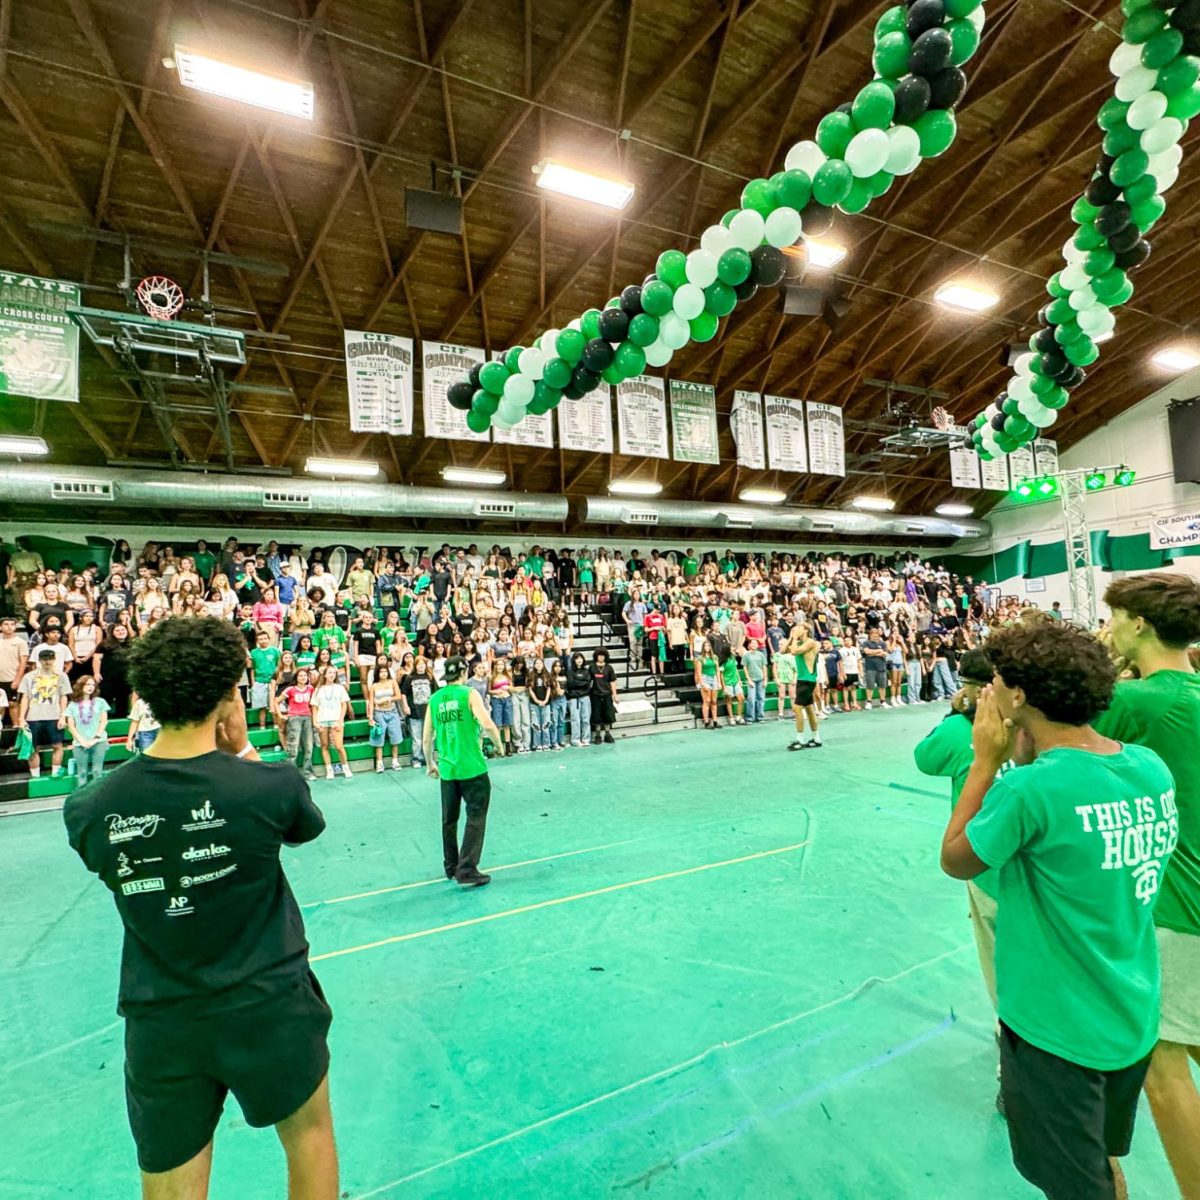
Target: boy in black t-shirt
pixel 215 985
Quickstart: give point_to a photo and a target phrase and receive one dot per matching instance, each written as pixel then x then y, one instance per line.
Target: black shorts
pixel 851 680
pixel 804 691
pixel 271 1054
pixel 46 733
pixel 1065 1121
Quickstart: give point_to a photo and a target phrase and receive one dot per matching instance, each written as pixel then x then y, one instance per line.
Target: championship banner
pixel 1022 465
pixel 533 429
pixel 642 417
pixel 39 343
pixel 1045 453
pixel 441 365
pixel 826 439
pixel 379 382
pixel 994 474
pixel 694 422
pixel 746 425
pixel 586 424
pixel 1166 533
pixel 964 462
pixel 787 441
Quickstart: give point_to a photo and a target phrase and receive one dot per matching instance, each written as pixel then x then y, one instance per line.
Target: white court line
pixel 529 862
pixel 79 1041
pixel 525 908
pixel 657 1075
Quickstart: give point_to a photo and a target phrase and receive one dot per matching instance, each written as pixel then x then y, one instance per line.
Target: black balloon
pixel 1186 16
pixel 998 422
pixel 1101 191
pixel 597 355
pixel 1072 378
pixel 747 288
pixel 845 107
pixel 631 300
pixel 766 265
pixel 473 376
pixel 584 379
pixel 1131 259
pixel 818 220
pixel 930 53
pixel 1053 363
pixel 1044 315
pixel 1044 341
pixel 572 391
pixel 1124 239
pixel 912 99
pixel 1064 372
pixel 1112 218
pixel 1104 166
pixel 649 278
pixel 946 88
pixel 1191 42
pixel 923 15
pixel 614 325
pixel 459 395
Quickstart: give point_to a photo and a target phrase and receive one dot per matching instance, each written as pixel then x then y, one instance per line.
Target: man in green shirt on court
pixel 453 721
pixel 1078 839
pixel 1155 617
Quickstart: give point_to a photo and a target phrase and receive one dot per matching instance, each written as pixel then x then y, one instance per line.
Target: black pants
pixel 475 793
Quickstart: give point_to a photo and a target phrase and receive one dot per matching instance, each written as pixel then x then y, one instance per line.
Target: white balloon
pixel 1045 418
pixel 716 240
pixel 701 268
pixel 867 152
pixel 689 301
pixel 1081 299
pixel 530 362
pixel 1074 276
pixel 1146 110
pixel 1166 181
pixel 1030 408
pixel 904 150
pixel 805 156
pixel 499 421
pixel 977 18
pixel 747 229
pixel 1165 160
pixel 673 330
pixel 518 390
pixel 1162 135
pixel 658 353
pixel 1135 82
pixel 1126 55
pixel 783 227
pixel 549 343
pixel 1072 252
pixel 1096 320
pixel 1024 364
pixel 1020 388
pixel 575 324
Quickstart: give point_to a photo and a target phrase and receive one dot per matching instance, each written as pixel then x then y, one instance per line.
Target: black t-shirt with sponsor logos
pixel 190 850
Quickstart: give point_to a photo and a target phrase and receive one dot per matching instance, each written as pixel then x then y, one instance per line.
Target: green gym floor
pixel 705 968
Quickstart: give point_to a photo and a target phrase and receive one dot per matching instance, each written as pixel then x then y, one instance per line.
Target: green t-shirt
pixel 456 733
pixel 305 659
pixel 729 672
pixel 691 567
pixel 946 753
pixel 332 636
pixel 534 565
pixel 709 667
pixel 729 566
pixel 204 564
pixel 265 660
pixel 1079 842
pixel 1163 712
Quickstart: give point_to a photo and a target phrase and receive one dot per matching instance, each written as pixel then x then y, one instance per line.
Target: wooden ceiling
pixel 96 134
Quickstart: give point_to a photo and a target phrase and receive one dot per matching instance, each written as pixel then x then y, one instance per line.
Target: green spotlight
pixel 1124 477
pixel 1024 489
pixel 1047 486
pixel 1095 481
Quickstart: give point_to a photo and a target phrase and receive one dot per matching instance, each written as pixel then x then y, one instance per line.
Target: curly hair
pixel 1065 672
pixel 1169 602
pixel 185 666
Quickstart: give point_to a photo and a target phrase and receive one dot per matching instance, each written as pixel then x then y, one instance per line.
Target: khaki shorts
pixel 1180 955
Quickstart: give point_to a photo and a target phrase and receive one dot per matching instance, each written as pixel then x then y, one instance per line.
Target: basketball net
pixel 160 297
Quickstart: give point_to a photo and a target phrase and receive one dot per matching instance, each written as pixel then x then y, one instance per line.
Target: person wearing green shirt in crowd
pixel 329 633
pixel 535 563
pixel 264 658
pixel 1078 837
pixel 1155 617
pixel 731 685
pixel 690 564
pixel 729 564
pixel 203 561
pixel 360 581
pixel 453 721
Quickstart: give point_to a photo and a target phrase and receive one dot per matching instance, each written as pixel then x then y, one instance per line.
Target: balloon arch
pixel 904 115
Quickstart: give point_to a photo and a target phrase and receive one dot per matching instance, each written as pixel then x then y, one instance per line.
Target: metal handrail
pixel 653 682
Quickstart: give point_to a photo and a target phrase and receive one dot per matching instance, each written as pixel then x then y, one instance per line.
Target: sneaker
pixel 450 873
pixel 347 773
pixel 379 768
pixel 814 743
pixel 608 737
pixel 396 764
pixel 473 880
pixel 35 772
pixel 797 744
pixel 329 773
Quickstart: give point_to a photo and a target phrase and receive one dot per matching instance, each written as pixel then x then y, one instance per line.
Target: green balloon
pixel 657 298
pixel 1017 426
pixel 1184 105
pixel 1141 189
pixel 834 133
pixel 1147 212
pixel 1059 312
pixel 733 212
pixel 511 359
pixel 832 182
pixel 858 198
pixel 703 328
pixel 879 183
pixel 478 421
pixel 493 377
pixel 569 344
pixel 1056 397
pixel 1129 167
pixel 1010 406
pixel 643 329
pixel 1068 332
pixel 733 267
pixel 873 108
pixel 1055 288
pixel 1041 385
pixel 613 374
pixel 1129 7
pixel 629 359
pixel 1088 237
pixel 1121 296
pixel 719 299
pixel 557 372
pixel 485 402
pixel 1081 352
pixel 964 41
pixel 794 189
pixel 613 302
pixel 1142 25
pixel 590 324
pixel 1162 48
pixel 1099 261
pixel 892 21
pixel 672 267
pixel 1112 113
pixel 544 396
pixel 891 55
pixel 961 8
pixel 1119 139
pixel 936 129
pixel 759 195
pixel 1083 212
pixel 1178 76
pixel 1108 284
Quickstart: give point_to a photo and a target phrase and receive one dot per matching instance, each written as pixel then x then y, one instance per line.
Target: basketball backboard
pixel 150 335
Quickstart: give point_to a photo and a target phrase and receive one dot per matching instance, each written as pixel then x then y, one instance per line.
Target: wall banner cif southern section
pixel 586 424
pixel 1045 453
pixel 39 343
pixel 994 475
pixel 826 439
pixel 964 462
pixel 787 441
pixel 746 425
pixel 1021 464
pixel 441 365
pixel 694 422
pixel 379 382
pixel 533 429
pixel 642 417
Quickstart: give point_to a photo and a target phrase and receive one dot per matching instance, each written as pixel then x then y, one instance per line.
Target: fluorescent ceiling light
pixel 954 510
pixel 363 467
pixel 874 503
pixel 824 255
pixel 754 495
pixel 472 475
pixel 583 185
pixel 1176 358
pixel 966 296
pixel 294 97
pixel 13 444
pixel 635 487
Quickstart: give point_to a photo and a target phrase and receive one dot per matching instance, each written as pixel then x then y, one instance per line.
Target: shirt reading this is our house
pixel 189 849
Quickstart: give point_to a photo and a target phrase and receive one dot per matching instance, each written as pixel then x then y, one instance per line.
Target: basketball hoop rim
pixel 150 289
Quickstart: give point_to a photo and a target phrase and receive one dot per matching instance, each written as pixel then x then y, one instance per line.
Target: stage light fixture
pixel 1095 480
pixel 1124 477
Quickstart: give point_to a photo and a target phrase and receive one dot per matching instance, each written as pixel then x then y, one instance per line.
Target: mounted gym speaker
pixel 433 211
pixel 1183 418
